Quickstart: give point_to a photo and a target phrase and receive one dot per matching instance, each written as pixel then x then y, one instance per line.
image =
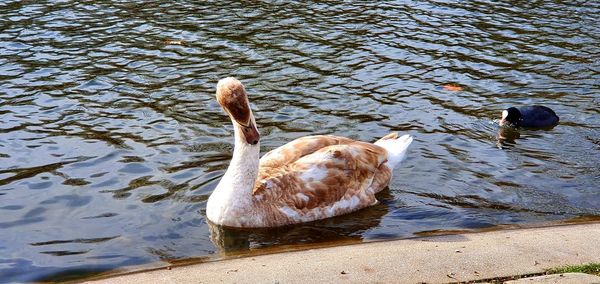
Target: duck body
pixel 310 178
pixel 535 116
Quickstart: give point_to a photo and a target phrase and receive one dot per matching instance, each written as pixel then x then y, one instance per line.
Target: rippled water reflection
pixel 111 140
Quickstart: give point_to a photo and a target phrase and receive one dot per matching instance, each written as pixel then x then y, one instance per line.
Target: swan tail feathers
pixel 395 146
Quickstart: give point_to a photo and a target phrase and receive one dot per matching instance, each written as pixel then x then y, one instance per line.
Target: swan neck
pixel 243 169
pixel 232 198
pixel 245 156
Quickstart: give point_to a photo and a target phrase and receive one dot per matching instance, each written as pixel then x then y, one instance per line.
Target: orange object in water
pixel 453 88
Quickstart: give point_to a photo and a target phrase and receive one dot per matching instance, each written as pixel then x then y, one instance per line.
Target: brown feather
pixel 317 177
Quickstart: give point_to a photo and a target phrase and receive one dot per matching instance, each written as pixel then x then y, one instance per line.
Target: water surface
pixel 111 140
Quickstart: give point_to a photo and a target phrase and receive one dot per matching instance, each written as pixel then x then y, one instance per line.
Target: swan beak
pixel 503 122
pixel 251 133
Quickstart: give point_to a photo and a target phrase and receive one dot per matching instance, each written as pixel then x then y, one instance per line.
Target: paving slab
pixel 563 278
pixel 439 259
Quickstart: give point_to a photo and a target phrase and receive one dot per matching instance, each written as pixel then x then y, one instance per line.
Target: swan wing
pixel 333 180
pixel 294 150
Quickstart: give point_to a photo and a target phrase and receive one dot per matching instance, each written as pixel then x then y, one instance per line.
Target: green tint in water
pixel 111 140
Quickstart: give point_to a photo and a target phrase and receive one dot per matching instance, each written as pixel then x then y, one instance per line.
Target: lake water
pixel 111 140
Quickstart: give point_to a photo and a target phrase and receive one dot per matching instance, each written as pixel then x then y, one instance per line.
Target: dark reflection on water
pixel 111 140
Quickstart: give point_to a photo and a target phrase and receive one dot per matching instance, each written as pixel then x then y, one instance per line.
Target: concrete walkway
pixel 566 278
pixel 441 259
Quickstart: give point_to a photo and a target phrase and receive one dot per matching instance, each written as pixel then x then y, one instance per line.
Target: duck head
pixel 233 98
pixel 510 116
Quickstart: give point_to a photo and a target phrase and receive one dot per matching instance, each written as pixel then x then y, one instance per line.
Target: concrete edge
pixel 436 259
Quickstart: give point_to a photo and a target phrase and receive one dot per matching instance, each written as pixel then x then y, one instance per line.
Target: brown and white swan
pixel 310 178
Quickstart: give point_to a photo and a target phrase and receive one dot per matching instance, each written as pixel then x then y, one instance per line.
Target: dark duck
pixel 530 116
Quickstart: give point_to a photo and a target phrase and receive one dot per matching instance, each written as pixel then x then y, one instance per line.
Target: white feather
pixel 396 149
pixel 314 173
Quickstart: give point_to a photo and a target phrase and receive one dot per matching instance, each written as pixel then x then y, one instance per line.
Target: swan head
pixel 233 98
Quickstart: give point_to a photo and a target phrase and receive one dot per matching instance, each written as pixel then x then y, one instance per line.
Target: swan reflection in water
pixel 346 228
